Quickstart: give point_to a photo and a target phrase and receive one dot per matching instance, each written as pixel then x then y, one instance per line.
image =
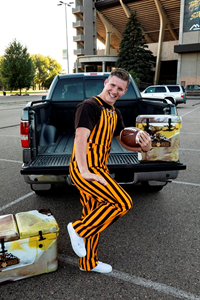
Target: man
pixel 103 199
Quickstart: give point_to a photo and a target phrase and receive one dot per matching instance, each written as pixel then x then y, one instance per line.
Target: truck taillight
pixel 24 130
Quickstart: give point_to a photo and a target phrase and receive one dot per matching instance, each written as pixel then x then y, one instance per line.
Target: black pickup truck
pixel 47 133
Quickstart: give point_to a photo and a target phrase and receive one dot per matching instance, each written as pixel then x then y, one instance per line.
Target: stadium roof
pixel 148 15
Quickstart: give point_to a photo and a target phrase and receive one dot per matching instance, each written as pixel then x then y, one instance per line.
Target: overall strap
pixel 102 103
pixel 98 100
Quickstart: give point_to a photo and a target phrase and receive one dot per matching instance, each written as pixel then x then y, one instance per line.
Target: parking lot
pixel 154 250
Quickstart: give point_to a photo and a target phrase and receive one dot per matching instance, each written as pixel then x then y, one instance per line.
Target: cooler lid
pixel 8 228
pixel 31 222
pixel 158 119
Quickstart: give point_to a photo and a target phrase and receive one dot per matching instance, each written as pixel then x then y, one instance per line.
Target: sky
pixel 40 25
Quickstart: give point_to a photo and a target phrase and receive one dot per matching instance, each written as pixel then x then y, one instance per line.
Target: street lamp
pixel 66 4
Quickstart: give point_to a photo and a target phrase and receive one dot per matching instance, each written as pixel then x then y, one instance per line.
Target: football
pixel 130 136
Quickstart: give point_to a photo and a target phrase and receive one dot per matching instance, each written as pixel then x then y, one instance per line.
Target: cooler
pixel 28 245
pixel 164 131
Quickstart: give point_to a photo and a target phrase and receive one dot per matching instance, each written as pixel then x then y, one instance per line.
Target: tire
pixel 152 188
pixel 172 100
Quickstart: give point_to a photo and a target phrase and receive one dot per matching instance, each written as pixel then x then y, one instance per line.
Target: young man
pixel 103 199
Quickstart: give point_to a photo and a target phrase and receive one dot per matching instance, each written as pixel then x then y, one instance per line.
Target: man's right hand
pixel 93 177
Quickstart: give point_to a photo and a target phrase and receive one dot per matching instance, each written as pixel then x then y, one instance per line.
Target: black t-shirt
pixel 88 113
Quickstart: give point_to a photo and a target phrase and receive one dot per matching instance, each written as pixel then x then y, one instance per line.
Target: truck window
pixel 68 89
pixel 72 89
pixel 93 87
pixel 130 94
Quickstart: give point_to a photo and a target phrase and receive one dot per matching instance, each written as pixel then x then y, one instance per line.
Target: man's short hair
pixel 120 73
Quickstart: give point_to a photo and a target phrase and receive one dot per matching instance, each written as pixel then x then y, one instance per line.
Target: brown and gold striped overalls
pixel 102 205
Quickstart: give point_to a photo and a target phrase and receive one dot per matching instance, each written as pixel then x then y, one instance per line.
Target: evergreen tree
pixel 133 55
pixel 1 58
pixel 17 69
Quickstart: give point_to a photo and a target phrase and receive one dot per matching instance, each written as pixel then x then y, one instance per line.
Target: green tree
pixel 54 69
pixel 41 65
pixel 46 69
pixel 1 57
pixel 134 55
pixel 17 70
pixel 134 76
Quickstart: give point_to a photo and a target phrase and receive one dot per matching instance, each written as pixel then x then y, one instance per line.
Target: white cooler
pixel 28 245
pixel 165 132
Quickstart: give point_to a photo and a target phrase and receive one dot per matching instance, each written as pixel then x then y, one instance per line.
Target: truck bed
pixel 55 159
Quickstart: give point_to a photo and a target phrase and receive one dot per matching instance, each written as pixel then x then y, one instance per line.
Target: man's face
pixel 114 88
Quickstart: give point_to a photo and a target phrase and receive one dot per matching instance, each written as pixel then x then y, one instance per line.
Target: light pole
pixel 66 4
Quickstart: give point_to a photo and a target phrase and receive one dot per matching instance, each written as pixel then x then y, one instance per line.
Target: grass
pixel 31 92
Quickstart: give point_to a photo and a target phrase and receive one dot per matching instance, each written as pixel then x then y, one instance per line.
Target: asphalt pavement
pixel 154 249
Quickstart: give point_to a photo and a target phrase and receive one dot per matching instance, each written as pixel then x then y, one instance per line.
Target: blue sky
pixel 39 25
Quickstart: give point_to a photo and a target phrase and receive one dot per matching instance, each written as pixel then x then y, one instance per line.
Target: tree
pixel 46 69
pixel 17 70
pixel 1 57
pixel 133 55
pixel 54 69
pixel 41 68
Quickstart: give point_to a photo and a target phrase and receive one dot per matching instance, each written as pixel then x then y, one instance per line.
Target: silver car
pixel 175 93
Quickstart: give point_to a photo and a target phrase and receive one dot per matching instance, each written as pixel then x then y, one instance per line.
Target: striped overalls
pixel 102 205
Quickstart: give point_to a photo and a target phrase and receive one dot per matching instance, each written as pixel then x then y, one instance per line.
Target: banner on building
pixel 64 53
pixel 191 15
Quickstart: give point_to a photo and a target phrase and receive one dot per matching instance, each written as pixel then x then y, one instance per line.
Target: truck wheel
pixel 153 188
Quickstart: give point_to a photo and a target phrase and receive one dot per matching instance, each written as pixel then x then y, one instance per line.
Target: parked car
pixel 193 90
pixel 175 93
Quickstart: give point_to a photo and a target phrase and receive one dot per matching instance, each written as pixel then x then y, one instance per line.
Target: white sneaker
pixel 101 268
pixel 77 242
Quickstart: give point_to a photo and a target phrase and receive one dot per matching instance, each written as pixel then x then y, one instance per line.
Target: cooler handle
pixel 147 128
pixel 41 237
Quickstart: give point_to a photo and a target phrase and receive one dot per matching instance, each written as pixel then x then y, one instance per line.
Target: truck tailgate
pixel 59 164
pixel 55 159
